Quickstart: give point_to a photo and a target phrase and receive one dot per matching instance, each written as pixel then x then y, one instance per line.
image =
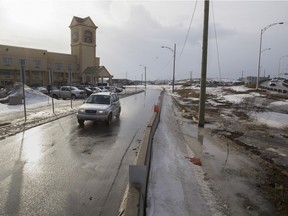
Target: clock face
pixel 75 36
pixel 88 36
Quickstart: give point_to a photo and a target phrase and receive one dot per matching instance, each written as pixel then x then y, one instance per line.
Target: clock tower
pixel 83 43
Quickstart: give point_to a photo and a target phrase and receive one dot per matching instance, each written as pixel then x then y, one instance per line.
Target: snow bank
pixel 271 119
pixel 279 106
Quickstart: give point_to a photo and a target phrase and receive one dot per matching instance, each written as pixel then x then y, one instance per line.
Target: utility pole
pixel 145 77
pixel 174 68
pixel 201 120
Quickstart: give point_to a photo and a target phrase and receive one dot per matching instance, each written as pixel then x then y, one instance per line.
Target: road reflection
pixel 94 129
pixel 15 188
pixel 32 145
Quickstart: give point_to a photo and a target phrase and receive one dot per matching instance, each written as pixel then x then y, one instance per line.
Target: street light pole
pixel 174 59
pixel 280 64
pixel 265 50
pixel 261 55
pixel 260 50
pixel 144 74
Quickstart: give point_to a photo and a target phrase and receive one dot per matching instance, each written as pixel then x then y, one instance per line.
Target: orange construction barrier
pixel 156 108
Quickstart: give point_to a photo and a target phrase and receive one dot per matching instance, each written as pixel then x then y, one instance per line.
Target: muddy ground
pixel 231 123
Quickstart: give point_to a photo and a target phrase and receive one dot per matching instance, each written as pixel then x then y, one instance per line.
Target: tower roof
pixel 82 21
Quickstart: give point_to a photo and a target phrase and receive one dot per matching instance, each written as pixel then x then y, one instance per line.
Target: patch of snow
pixel 239 88
pixel 271 119
pixel 276 151
pixel 279 106
pixel 214 103
pixel 236 98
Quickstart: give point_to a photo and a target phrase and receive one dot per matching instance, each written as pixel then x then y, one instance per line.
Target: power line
pixel 216 39
pixel 189 28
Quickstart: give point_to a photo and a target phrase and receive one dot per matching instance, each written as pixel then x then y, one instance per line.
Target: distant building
pixel 42 67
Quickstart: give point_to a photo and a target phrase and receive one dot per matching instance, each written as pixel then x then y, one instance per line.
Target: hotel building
pixel 43 67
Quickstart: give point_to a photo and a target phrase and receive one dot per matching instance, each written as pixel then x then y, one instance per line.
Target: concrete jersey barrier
pixel 139 173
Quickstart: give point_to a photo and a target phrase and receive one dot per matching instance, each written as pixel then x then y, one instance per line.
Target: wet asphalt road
pixel 60 168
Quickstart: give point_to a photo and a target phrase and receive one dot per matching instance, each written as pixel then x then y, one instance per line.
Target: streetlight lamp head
pixel 162 46
pixel 281 23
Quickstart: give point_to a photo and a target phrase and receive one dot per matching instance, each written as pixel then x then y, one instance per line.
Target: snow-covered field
pixel 276 117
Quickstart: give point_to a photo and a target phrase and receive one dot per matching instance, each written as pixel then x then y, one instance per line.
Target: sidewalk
pixel 176 186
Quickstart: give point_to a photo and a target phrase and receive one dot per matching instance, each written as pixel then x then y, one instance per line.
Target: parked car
pixel 96 89
pixel 118 89
pixel 101 106
pixel 91 90
pixel 68 92
pixel 111 89
pixel 272 84
pixel 42 90
pixel 104 88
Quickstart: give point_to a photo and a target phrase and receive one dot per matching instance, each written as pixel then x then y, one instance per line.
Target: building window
pixel 88 36
pixel 58 66
pixel 7 61
pixel 36 63
pixel 36 74
pixel 24 61
pixel 69 67
pixel 5 74
pixel 58 75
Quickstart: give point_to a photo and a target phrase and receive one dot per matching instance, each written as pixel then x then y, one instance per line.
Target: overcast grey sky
pixel 131 33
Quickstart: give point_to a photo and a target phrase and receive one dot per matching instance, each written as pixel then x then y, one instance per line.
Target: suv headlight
pixel 102 111
pixel 81 110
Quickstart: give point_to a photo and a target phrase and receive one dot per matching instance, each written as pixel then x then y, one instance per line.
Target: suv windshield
pixel 99 99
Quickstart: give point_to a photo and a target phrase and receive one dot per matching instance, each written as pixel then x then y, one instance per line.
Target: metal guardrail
pixel 139 173
pixel 285 83
pixel 281 89
pixel 274 89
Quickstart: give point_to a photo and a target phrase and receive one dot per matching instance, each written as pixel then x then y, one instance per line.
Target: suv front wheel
pixel 109 120
pixel 80 122
pixel 118 114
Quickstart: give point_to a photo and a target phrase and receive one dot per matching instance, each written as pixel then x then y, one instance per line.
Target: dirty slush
pixel 232 124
